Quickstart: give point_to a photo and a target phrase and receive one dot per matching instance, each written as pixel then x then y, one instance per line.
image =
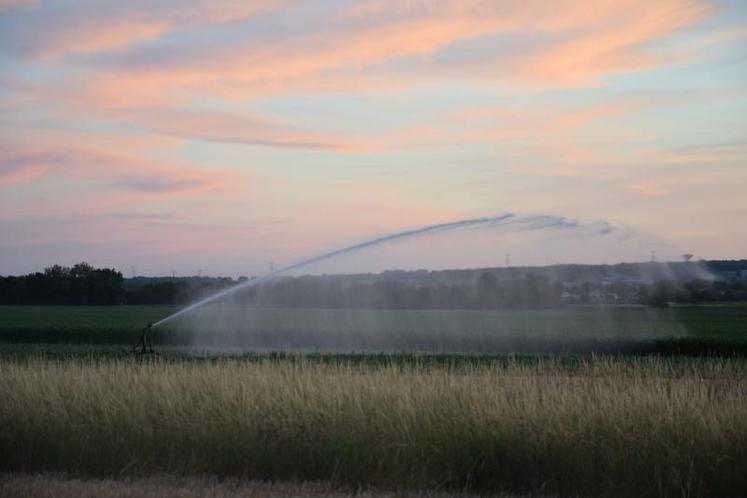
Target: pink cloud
pixel 575 42
pixel 16 171
pixel 153 112
pixel 106 26
pixel 612 42
pixel 589 38
pixel 647 188
pixel 117 171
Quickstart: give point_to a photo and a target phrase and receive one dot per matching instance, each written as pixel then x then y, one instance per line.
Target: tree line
pixel 80 284
pixel 536 288
pixel 487 291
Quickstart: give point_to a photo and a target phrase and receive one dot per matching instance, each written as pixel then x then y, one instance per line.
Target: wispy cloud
pixel 708 153
pixel 158 115
pixel 574 42
pixel 647 188
pixel 26 162
pixel 369 45
pixel 238 128
pixel 19 169
pixel 56 29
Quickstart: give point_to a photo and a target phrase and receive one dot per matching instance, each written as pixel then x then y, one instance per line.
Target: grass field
pixel 62 486
pixel 651 420
pixel 626 427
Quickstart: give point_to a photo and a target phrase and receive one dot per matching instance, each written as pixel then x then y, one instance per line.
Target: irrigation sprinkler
pixel 144 343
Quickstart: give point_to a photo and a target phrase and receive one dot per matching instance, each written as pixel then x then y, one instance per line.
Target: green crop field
pixel 59 323
pixel 578 329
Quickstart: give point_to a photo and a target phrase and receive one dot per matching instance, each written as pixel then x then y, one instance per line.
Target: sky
pixel 217 136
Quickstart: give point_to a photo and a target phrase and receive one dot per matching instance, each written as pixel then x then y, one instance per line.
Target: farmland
pixel 691 329
pixel 639 422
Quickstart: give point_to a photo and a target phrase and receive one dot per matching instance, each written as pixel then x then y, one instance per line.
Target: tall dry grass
pixel 627 428
pixel 61 486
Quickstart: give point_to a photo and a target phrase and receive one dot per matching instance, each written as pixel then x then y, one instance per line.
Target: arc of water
pixel 526 222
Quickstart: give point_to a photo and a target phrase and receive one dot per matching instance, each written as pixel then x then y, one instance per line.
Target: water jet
pixel 510 220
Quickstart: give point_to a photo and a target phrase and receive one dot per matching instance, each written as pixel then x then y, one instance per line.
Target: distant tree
pixel 81 284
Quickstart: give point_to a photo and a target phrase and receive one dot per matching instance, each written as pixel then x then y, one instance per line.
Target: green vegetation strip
pixel 628 428
pixel 110 330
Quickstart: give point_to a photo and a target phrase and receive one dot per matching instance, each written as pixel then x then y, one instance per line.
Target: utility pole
pixel 132 271
pixel 653 256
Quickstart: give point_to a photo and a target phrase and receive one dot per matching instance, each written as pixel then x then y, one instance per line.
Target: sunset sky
pixel 222 135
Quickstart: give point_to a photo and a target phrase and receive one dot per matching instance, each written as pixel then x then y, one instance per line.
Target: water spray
pixel 519 222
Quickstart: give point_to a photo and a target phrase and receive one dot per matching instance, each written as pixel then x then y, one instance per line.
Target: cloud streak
pixel 18 169
pixel 52 29
pixel 20 163
pixel 573 43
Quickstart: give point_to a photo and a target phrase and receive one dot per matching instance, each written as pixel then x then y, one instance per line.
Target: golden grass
pixel 631 427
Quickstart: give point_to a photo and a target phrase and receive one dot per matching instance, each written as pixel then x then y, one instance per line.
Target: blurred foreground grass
pixel 61 486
